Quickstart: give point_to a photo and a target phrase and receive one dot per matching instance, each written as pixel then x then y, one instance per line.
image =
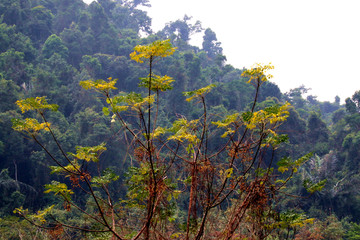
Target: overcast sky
pixel 310 42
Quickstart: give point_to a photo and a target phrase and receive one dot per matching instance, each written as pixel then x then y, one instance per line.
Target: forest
pixel 109 130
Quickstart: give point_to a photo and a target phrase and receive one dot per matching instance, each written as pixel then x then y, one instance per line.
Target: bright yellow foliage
pixel 29 125
pixel 183 130
pixel 226 123
pixel 268 116
pixel 258 73
pixel 156 49
pixel 38 103
pixel 99 85
pixel 226 174
pixel 283 169
pixel 158 131
pixel 118 109
pixel 39 217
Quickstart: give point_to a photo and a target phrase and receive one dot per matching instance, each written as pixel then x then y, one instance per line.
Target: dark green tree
pixel 127 17
pixel 66 12
pixel 317 134
pixel 39 24
pixel 73 39
pixel 91 64
pixel 210 44
pixel 180 31
pixel 54 44
pixel 13 67
pixel 9 93
pixel 353 103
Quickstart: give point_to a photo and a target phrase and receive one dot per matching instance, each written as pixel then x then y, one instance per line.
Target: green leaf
pixel 38 217
pixel 247 116
pixel 276 140
pixel 158 83
pixel 198 93
pixel 176 194
pixel 89 153
pixel 284 164
pixel 132 99
pixel 59 189
pixel 273 109
pixel 106 111
pixel 108 176
pixel 71 168
pixel 228 120
pixel 291 219
pixel 303 159
pixel 314 187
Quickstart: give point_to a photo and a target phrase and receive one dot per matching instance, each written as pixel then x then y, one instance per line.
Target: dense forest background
pixel 48 46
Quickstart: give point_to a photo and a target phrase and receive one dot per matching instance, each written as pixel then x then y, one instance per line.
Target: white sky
pixel 310 42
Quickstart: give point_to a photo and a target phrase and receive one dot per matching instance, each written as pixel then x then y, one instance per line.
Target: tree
pixel 38 24
pixel 317 134
pixel 13 192
pixel 108 5
pixel 353 104
pixel 98 21
pixel 91 64
pixel 180 31
pixel 9 39
pixel 67 12
pixel 169 164
pixel 337 100
pixel 13 67
pixel 127 17
pixel 53 45
pixel 270 90
pixel 133 3
pixel 9 92
pixel 294 96
pixel 210 44
pixel 15 12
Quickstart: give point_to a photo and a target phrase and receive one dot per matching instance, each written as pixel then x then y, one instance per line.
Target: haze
pixel 315 43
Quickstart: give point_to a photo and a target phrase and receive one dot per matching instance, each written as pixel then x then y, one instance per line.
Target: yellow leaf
pixel 38 103
pixel 258 73
pixel 99 85
pixel 283 169
pixel 156 49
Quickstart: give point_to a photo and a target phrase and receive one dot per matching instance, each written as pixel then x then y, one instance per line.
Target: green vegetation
pixel 152 138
